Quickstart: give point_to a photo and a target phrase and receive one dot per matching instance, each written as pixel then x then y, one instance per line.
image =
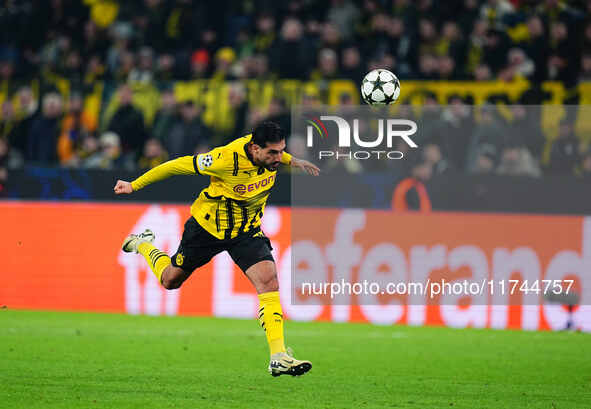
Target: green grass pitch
pixel 75 360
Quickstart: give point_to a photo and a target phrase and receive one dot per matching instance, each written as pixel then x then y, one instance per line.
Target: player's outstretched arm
pixel 185 165
pixel 306 166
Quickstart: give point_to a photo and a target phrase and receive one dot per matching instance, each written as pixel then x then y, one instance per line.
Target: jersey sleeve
pixel 212 163
pixel 286 158
pixel 184 165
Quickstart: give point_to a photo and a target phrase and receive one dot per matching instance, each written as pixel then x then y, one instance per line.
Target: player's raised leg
pixel 169 276
pixel 263 276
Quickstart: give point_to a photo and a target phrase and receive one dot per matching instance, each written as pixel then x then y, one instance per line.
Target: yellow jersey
pixel 235 199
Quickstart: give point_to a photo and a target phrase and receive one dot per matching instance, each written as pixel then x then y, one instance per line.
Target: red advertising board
pixel 66 256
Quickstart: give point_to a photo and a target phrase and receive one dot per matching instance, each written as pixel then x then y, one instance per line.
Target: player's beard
pixel 271 167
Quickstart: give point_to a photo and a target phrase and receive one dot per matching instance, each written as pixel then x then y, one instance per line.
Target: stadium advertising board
pixel 76 264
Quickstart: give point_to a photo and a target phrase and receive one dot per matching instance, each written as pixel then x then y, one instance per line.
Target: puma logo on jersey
pixel 247 172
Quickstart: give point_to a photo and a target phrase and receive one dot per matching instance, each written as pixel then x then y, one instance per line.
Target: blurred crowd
pixel 158 41
pixel 487 139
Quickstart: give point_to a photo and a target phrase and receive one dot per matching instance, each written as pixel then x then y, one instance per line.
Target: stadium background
pixel 92 90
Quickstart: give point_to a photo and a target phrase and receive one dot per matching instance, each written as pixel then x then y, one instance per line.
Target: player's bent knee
pixel 173 278
pixel 268 284
pixel 170 284
pixel 263 276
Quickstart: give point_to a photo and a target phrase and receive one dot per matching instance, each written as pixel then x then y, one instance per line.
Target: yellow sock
pixel 157 260
pixel 271 319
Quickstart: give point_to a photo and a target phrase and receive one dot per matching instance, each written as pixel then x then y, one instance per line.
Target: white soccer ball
pixel 380 87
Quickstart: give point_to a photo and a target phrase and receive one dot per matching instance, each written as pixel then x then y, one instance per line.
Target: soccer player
pixel 227 216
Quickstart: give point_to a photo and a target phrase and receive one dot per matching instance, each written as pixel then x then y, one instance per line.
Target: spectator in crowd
pixel 291 56
pixel 8 121
pixel 587 37
pixel 585 167
pixel 536 47
pixel 427 68
pixel 44 132
pixel 265 36
pixel 475 47
pixel 378 38
pixel 431 121
pixel 128 122
pixel 482 73
pixel 495 11
pixel 153 155
pixel 6 73
pixel 447 68
pixel 95 70
pixel 73 70
pixel 495 49
pixel 88 147
pixel 144 72
pixel 452 42
pixel 525 128
pixel 260 68
pixel 200 64
pixel 75 126
pixel 411 193
pixel 235 123
pixel 121 33
pixel 25 110
pixel 330 38
pixel 342 14
pixel 109 155
pixel 126 66
pixel 95 41
pixel 432 154
pixel 224 58
pixel 489 131
pixel 564 153
pixel 9 158
pixel 564 55
pixel 518 65
pixel 164 71
pixel 427 45
pixel 244 45
pixel 166 116
pixel 457 128
pixel 516 160
pixel 351 64
pixel 186 135
pixel 327 66
pixel 486 159
pixel 585 74
pixel 468 15
pixel 403 47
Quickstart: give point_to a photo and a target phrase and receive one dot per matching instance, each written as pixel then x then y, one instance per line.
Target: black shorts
pixel 198 246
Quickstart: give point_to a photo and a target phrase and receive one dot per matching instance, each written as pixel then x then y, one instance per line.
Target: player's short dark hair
pixel 267 132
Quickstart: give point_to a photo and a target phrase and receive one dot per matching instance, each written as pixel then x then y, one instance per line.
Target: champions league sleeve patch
pixel 204 161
